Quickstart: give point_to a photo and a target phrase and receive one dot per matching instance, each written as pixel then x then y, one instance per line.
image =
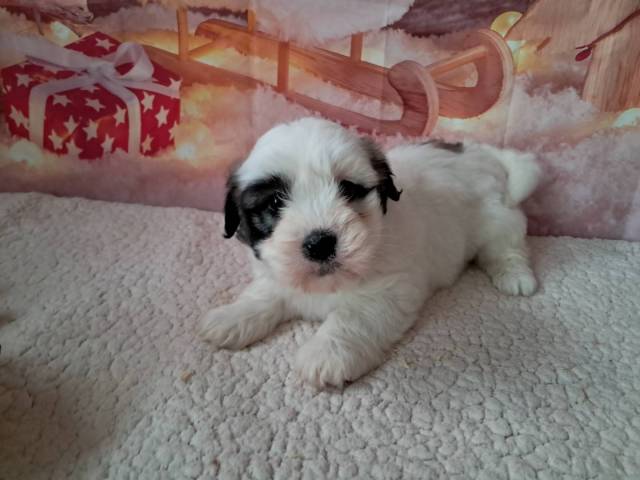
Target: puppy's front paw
pixel 324 362
pixel 518 281
pixel 235 326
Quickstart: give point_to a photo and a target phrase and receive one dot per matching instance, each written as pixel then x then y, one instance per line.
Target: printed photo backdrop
pixel 160 99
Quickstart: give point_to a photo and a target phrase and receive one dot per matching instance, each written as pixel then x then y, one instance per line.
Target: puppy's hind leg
pixel 503 255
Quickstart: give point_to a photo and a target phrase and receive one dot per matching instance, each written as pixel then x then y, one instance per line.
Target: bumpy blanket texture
pixel 102 376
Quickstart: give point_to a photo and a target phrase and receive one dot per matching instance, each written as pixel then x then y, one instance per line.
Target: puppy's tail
pixel 523 173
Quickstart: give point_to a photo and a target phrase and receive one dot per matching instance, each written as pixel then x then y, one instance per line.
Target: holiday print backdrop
pixel 128 103
pixel 573 99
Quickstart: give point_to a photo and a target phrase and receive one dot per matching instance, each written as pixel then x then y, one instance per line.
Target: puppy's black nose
pixel 320 245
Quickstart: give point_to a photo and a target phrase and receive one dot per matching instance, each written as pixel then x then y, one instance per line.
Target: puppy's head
pixel 310 201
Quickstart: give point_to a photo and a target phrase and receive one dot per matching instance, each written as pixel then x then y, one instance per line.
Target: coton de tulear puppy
pixel 344 234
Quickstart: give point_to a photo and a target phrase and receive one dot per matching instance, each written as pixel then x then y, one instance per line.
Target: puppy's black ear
pixel 231 209
pixel 386 188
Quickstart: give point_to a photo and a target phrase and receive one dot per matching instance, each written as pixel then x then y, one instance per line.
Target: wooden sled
pixel 412 86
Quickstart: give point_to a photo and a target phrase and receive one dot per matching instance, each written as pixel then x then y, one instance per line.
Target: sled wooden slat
pixel 183 33
pixel 283 67
pixel 361 77
pixel 196 72
pixel 407 84
pixel 357 41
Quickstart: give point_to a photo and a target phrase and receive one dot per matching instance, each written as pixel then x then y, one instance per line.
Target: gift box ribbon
pixel 90 71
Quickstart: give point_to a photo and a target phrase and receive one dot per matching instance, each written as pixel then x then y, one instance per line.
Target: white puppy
pixel 337 237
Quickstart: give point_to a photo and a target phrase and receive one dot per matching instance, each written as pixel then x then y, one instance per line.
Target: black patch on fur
pixel 386 188
pixel 354 191
pixel 231 211
pixel 457 147
pixel 252 213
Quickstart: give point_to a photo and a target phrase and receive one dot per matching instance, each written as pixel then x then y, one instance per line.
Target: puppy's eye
pixel 276 202
pixel 353 191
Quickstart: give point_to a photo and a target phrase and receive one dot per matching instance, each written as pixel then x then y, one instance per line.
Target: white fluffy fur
pixel 455 207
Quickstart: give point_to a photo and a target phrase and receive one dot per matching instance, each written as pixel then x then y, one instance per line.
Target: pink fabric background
pixel 591 186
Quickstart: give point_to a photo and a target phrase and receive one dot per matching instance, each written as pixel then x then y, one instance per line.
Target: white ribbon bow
pixel 90 71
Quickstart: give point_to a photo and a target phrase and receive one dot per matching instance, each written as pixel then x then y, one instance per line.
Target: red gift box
pixel 108 97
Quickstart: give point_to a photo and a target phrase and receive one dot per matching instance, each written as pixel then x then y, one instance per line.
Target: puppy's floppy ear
pixel 386 188
pixel 231 209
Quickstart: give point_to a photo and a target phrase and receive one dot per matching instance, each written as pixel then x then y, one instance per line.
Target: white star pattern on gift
pixel 70 124
pixel 147 101
pixel 161 116
pixel 91 130
pixel 94 103
pixel 72 148
pixel 104 43
pixel 23 79
pixel 56 140
pixel 146 145
pixel 107 145
pixel 172 131
pixel 175 84
pixel 90 88
pixel 119 116
pixel 61 100
pixel 18 117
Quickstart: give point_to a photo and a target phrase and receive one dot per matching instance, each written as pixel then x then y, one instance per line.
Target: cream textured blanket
pixel 101 375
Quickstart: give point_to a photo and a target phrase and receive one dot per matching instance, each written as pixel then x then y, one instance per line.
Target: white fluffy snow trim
pixel 310 21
